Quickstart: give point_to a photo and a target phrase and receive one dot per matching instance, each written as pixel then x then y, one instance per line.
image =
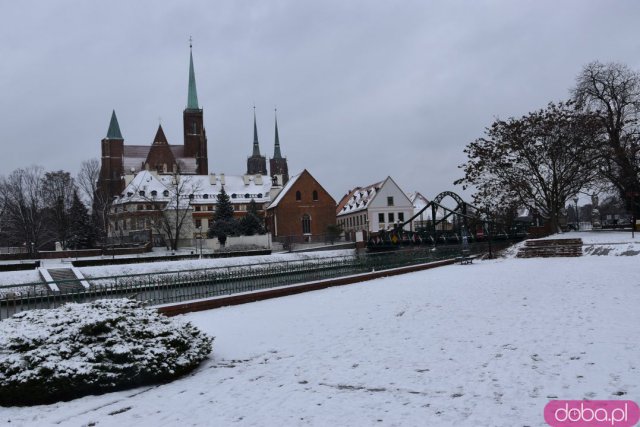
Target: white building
pixel 379 206
pixel 148 194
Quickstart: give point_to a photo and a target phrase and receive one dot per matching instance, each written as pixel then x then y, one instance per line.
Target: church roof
pixel 114 128
pixel 256 145
pixel 150 187
pixel 192 96
pixel 276 149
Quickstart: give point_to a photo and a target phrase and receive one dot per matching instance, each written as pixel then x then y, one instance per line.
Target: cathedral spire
pixel 256 145
pixel 114 128
pixel 276 151
pixel 192 99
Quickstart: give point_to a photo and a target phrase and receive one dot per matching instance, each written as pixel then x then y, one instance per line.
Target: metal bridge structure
pixel 436 224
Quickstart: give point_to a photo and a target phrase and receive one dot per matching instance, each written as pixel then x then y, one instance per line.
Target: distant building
pixel 139 180
pixel 149 194
pixel 379 206
pixel 302 211
pixel 121 162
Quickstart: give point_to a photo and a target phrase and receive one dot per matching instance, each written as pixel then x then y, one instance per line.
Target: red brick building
pixel 301 211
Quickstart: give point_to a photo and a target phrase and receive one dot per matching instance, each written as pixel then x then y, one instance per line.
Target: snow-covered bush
pixel 79 349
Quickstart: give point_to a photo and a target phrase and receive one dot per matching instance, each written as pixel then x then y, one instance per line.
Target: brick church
pixel 121 162
pixel 139 181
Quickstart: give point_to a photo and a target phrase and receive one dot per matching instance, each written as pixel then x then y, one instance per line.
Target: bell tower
pixel 195 136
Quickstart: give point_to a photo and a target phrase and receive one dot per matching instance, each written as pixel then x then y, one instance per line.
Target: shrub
pixel 79 349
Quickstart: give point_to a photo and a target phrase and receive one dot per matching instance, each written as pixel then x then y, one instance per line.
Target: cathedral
pixel 121 162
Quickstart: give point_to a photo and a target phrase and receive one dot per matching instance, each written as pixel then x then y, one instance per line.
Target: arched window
pixel 306 224
pixel 298 196
pixel 315 196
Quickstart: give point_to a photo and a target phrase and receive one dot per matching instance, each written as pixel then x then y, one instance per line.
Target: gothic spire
pixel 276 150
pixel 114 128
pixel 256 146
pixel 192 99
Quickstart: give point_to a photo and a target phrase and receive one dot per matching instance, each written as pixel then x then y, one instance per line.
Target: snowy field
pixel 487 344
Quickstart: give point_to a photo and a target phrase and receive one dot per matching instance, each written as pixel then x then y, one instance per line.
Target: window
pixel 165 193
pixel 140 207
pixel 306 224
pixel 210 207
pixel 315 196
pixel 205 196
pixel 381 218
pixel 298 196
pixel 197 208
pixel 390 201
pixel 141 193
pixel 391 217
pixel 198 223
pixel 401 216
pixel 154 193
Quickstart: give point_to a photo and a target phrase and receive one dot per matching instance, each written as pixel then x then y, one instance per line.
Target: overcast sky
pixel 364 89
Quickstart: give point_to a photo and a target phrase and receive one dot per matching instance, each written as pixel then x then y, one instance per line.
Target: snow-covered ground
pixel 487 344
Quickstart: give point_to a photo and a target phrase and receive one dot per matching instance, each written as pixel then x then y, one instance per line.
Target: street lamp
pixel 575 199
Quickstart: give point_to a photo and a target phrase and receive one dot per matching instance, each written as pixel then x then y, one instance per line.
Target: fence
pixel 178 286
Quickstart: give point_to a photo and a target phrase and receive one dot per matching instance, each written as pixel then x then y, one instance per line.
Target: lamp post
pixel 575 200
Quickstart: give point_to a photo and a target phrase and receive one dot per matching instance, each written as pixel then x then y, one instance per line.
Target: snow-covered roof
pixel 147 186
pixel 418 201
pixel 359 199
pixel 284 190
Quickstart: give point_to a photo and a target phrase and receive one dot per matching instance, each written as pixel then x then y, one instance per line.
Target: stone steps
pixel 549 248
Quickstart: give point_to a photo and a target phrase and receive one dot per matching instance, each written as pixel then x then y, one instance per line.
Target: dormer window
pixel 165 193
pixel 129 194
pixel 205 196
pixel 154 193
pixel 141 193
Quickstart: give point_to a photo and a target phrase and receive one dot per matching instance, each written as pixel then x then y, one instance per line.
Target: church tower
pixel 278 164
pixel 195 137
pixel 111 170
pixel 256 164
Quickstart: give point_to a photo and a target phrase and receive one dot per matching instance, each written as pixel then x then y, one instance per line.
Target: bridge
pixel 437 224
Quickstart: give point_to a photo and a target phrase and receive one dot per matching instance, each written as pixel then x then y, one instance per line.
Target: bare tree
pixel 612 93
pixel 87 181
pixel 537 161
pixel 172 216
pixel 58 189
pixel 177 212
pixel 24 208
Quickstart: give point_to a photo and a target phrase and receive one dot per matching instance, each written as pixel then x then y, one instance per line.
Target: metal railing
pixel 177 286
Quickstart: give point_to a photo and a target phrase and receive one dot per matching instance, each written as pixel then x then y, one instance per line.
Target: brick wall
pixel 289 212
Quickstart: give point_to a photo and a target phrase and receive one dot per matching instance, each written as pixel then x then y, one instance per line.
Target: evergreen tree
pixel 81 231
pixel 252 222
pixel 224 224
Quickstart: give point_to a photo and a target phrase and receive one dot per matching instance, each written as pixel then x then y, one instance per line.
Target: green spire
pixel 256 146
pixel 114 128
pixel 276 151
pixel 192 99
